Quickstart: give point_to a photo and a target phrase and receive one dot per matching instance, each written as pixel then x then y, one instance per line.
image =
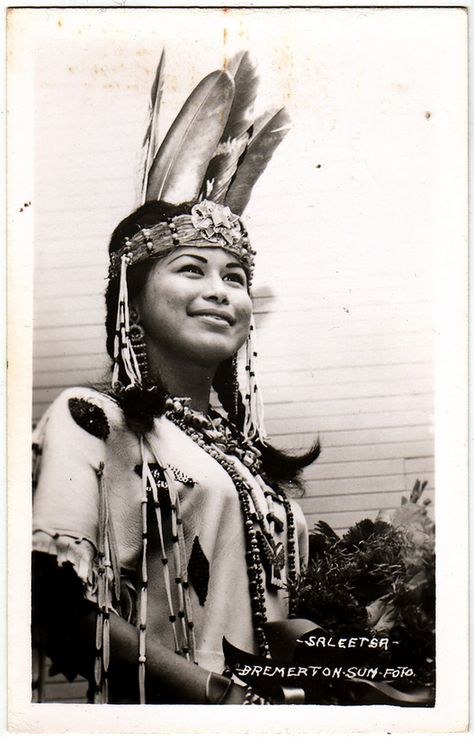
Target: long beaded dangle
pixel 143 588
pixel 235 386
pixel 147 474
pixel 254 425
pixel 180 575
pixel 184 582
pixel 184 614
pixel 123 348
pixel 102 636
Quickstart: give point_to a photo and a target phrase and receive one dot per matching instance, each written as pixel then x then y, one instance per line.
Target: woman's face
pixel 195 306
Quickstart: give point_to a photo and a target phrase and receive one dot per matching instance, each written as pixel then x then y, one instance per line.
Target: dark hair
pixel 138 406
pixel 278 465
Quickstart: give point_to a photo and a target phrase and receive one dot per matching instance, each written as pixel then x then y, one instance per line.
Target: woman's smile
pixel 221 317
pixel 195 306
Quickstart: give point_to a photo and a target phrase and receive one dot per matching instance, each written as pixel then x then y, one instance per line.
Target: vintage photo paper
pixel 359 298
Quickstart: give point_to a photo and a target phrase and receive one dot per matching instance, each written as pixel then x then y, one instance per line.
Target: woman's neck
pixel 182 379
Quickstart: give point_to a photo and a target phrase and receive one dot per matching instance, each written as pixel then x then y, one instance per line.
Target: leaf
pixel 179 166
pixel 381 614
pixel 326 530
pixel 418 490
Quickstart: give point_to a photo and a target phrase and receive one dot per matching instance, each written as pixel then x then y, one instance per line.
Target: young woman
pixel 160 524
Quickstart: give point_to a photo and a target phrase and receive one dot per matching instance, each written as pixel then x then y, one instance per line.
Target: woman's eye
pixel 236 277
pixel 191 268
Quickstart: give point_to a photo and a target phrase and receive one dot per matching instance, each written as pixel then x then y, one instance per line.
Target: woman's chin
pixel 212 353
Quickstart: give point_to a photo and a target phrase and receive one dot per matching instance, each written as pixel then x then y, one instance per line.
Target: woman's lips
pixel 214 316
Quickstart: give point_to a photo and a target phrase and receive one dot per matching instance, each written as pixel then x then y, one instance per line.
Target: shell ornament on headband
pixel 212 155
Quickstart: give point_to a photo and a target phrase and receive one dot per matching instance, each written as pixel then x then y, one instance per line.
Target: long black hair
pixel 141 405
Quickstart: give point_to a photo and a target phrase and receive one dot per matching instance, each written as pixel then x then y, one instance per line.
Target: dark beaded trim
pixel 89 417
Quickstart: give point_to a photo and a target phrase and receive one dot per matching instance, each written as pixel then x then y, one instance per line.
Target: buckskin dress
pixel 92 506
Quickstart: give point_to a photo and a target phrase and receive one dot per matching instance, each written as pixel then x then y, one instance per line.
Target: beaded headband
pixel 209 225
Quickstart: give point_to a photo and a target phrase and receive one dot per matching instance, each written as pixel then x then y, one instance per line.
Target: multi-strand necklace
pixel 220 439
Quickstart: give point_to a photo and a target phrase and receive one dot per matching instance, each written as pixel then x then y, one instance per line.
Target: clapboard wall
pixel 341 221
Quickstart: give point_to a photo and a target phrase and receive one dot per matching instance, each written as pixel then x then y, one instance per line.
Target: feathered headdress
pixel 212 155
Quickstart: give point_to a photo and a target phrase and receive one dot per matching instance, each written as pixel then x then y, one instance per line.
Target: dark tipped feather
pixel 222 168
pixel 150 141
pixel 262 120
pixel 245 77
pixel 182 159
pixel 257 156
pixel 235 136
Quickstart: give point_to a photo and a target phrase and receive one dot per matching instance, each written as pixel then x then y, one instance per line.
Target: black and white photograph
pixel 237 349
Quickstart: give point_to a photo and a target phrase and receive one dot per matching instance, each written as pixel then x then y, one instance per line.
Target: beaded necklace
pixel 220 439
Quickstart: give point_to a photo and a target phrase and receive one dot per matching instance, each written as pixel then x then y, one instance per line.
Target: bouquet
pixel 378 579
pixel 362 626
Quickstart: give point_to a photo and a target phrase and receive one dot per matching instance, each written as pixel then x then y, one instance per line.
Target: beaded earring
pixel 137 338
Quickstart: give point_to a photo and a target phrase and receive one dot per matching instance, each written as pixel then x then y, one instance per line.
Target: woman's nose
pixel 216 290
